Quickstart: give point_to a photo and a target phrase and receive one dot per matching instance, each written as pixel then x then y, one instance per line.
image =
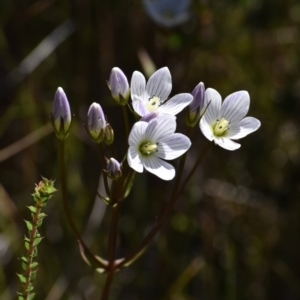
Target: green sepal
pixel 34 265
pixel 32 209
pixel 129 185
pixel 31 296
pixel 29 225
pixel 37 241
pixel 41 216
pixel 24 259
pixel 22 278
pixel 27 245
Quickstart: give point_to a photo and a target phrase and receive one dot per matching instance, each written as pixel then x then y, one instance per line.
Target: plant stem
pixel 159 222
pixel 32 236
pixel 66 205
pixel 125 115
pixel 112 240
pixel 103 165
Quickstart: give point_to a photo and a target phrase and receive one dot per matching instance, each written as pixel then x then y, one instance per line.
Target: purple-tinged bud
pixel 197 107
pixel 96 123
pixel 61 114
pixel 113 169
pixel 109 135
pixel 118 85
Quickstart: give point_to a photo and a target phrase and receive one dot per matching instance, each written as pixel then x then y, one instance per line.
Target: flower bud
pixel 96 123
pixel 118 85
pixel 109 135
pixel 113 169
pixel 198 106
pixel 61 114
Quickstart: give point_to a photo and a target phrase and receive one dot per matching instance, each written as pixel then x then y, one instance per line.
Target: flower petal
pixel 236 106
pixel 137 133
pixel 176 104
pixel 243 128
pixel 134 160
pixel 158 167
pixel 160 128
pixel 160 84
pixel 138 84
pixel 139 106
pixel 227 143
pixel 214 101
pixel 206 129
pixel 173 146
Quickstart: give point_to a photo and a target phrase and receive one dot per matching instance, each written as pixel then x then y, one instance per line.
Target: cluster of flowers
pixel 152 139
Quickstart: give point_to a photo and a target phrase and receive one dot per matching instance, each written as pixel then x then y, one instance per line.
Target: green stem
pixel 159 222
pixel 112 241
pixel 103 165
pixel 32 236
pixel 126 121
pixel 66 204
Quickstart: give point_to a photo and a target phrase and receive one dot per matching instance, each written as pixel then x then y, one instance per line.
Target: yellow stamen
pixel 148 148
pixel 153 103
pixel 221 127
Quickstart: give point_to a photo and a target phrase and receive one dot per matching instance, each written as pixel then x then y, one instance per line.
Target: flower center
pixel 221 127
pixel 148 148
pixel 153 103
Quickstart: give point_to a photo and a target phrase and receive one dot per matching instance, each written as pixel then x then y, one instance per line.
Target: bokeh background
pixel 235 231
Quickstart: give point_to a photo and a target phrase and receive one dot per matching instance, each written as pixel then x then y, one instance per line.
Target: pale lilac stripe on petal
pixel 161 127
pixel 134 160
pixel 176 104
pixel 173 146
pixel 137 133
pixel 160 84
pixel 213 111
pixel 236 106
pixel 243 128
pixel 158 167
pixel 206 129
pixel 138 84
pixel 139 106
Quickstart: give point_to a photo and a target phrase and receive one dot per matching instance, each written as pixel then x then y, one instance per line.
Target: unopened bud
pixel 198 106
pixel 109 135
pixel 96 123
pixel 113 169
pixel 61 114
pixel 119 86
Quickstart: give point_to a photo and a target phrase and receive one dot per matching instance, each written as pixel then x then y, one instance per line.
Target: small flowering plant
pixel 225 122
pixel 152 141
pixel 152 97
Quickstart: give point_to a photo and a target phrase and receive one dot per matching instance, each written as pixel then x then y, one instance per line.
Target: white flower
pixel 225 122
pixel 150 142
pixel 151 97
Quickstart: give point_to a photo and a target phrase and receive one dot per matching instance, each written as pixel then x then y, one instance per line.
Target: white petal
pixel 160 84
pixel 236 106
pixel 214 100
pixel 158 167
pixel 206 129
pixel 227 143
pixel 137 133
pixel 138 84
pixel 243 128
pixel 160 127
pixel 139 106
pixel 173 146
pixel 176 104
pixel 134 160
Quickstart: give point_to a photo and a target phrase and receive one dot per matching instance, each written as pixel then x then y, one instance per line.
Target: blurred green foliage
pixel 235 231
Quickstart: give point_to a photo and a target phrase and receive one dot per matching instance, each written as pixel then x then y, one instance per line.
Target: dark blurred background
pixel 234 233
